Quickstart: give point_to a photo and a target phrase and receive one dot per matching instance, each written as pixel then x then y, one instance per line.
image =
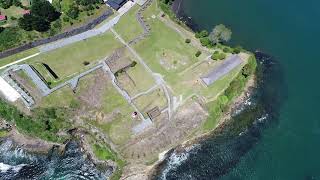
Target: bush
pixel 9 37
pixel 205 41
pixel 86 63
pixel 227 50
pixel 198 53
pixel 218 56
pixel 188 41
pixel 133 64
pixel 13 18
pixel 204 33
pixel 237 50
pixel 66 19
pixel 73 12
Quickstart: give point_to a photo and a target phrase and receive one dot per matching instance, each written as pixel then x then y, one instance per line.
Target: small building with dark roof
pixel 116 4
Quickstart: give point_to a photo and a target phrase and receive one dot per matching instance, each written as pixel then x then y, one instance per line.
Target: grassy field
pixel 136 80
pixel 15 57
pixel 128 26
pixel 102 153
pixel 165 51
pixel 151 100
pixel 68 61
pixel 61 98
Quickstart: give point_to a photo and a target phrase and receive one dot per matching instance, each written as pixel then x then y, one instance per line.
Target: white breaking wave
pixel 5 167
pixel 176 159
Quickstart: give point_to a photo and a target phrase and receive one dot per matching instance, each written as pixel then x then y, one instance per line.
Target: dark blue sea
pixel 283 142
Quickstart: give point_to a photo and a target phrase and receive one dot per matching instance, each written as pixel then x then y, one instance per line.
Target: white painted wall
pixel 9 92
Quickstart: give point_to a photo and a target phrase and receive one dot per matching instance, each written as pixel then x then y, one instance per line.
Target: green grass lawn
pixel 128 26
pixel 102 153
pixel 151 100
pixel 68 61
pixel 15 57
pixel 60 98
pixel 140 80
pixel 3 133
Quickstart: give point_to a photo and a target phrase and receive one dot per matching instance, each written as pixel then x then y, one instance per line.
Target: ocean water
pixel 16 163
pixel 285 143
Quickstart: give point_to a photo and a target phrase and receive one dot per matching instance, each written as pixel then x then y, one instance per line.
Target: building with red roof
pixel 3 17
pixel 26 12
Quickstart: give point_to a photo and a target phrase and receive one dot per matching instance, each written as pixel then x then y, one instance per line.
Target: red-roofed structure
pixel 3 17
pixel 26 12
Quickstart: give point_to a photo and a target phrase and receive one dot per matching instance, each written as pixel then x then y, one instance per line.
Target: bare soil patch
pixel 92 95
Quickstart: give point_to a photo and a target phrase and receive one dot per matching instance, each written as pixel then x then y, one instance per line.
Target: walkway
pixel 19 61
pixel 88 34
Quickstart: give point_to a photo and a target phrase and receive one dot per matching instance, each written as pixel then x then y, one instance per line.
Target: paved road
pixel 79 37
pixel 85 35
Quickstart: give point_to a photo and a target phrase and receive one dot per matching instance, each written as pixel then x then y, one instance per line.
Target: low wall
pixel 66 34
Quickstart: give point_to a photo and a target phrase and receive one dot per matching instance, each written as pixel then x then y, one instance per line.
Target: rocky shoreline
pixel 237 102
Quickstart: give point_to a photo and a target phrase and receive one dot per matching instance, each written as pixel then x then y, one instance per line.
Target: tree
pixel 5 4
pixel 219 34
pixel 30 22
pixel 39 24
pixel 26 22
pixel 45 10
pixel 17 3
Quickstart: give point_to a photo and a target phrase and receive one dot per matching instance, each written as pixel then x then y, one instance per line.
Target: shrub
pixel 204 33
pixel 188 41
pixel 222 56
pixel 86 63
pixel 197 35
pixel 66 19
pixel 73 12
pixel 215 57
pixel 198 53
pixel 237 50
pixel 226 50
pixel 205 41
pixel 133 64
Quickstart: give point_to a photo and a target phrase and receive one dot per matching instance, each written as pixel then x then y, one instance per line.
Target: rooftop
pixel 3 17
pixel 116 4
pixel 223 69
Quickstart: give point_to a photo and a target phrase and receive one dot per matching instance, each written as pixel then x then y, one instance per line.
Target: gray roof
pixel 223 69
